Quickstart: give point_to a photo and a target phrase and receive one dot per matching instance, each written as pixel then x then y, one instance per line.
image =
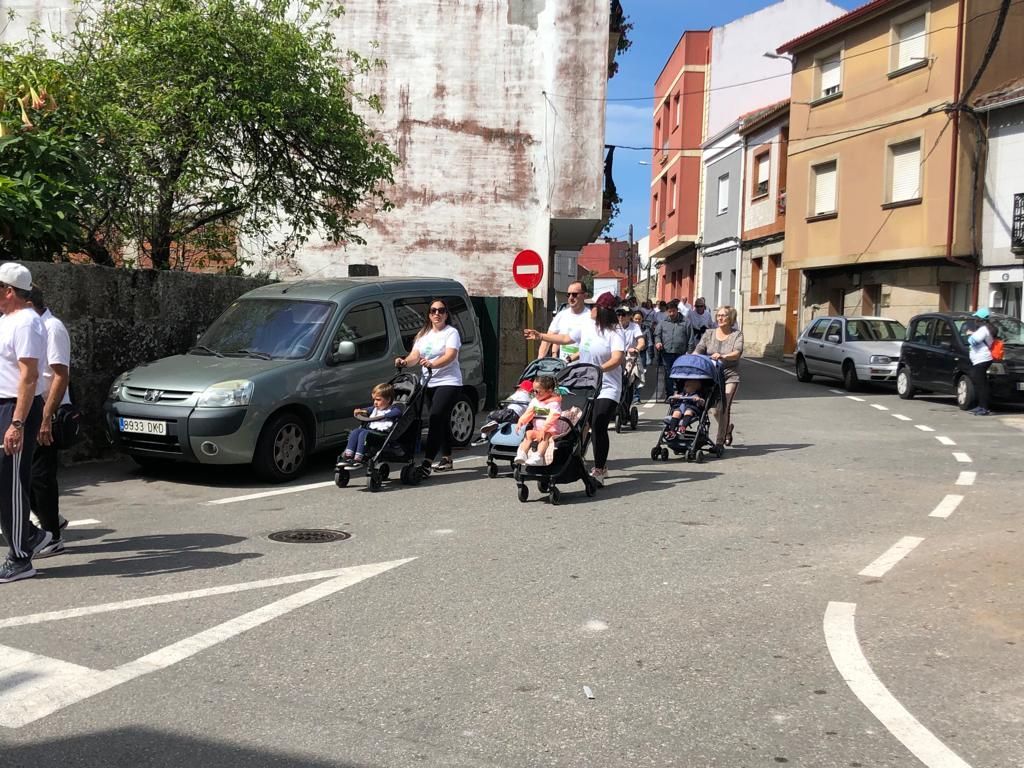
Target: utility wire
pixel 1002 9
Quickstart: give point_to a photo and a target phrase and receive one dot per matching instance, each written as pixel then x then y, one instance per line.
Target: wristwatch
pixel 17 424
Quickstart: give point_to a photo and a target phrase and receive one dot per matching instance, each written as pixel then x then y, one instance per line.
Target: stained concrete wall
pixel 119 318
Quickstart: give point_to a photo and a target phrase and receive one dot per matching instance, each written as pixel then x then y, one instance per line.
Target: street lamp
pixel 773 55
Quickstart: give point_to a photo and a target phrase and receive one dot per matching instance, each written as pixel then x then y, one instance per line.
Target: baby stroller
pixel 506 439
pixel 692 442
pixel 583 381
pixel 398 444
pixel 627 415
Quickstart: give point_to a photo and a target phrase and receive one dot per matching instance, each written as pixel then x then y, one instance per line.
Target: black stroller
pixel 692 442
pixel 583 381
pixel 506 439
pixel 627 415
pixel 398 444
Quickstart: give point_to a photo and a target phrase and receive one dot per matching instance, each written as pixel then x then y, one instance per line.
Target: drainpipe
pixel 955 153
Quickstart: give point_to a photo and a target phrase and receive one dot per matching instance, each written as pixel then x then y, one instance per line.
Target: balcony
pixel 1017 230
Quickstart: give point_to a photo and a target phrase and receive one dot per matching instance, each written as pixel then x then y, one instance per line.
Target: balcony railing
pixel 1017 232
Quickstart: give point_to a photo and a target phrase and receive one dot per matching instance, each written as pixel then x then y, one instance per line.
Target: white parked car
pixel 852 349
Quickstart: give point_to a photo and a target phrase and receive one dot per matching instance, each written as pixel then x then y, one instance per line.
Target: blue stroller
pixel 506 439
pixel 694 440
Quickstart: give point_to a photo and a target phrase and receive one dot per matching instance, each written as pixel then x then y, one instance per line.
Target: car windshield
pixel 875 330
pixel 268 329
pixel 1011 331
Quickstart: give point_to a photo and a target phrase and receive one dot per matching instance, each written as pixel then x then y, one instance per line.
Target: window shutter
pixel 911 37
pixel 906 171
pixel 763 167
pixel 830 75
pixel 825 188
pixel 723 193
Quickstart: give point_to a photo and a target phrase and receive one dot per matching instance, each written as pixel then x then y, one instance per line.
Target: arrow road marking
pixel 34 686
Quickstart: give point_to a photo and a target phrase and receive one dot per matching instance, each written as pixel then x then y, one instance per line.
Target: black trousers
pixel 979 375
pixel 604 411
pixel 15 480
pixel 667 359
pixel 44 494
pixel 440 401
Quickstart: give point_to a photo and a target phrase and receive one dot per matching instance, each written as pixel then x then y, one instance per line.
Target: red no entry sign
pixel 527 269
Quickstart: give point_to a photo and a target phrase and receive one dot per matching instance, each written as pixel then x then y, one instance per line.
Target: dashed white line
pixel 966 478
pixel 901 417
pixel 84 521
pixel 841 638
pixel 277 492
pixel 891 556
pixel 769 365
pixel 945 440
pixel 962 457
pixel 878 407
pixel 838 391
pixel 855 398
pixel 924 428
pixel 947 506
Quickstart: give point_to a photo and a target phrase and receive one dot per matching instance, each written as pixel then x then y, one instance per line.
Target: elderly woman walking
pixel 724 343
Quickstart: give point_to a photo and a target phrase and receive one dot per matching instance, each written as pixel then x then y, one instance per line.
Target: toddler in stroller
pixel 379 418
pixel 512 408
pixel 544 411
pixel 697 387
pixel 686 406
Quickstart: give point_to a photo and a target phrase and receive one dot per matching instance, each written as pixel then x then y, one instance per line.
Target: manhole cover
pixel 309 536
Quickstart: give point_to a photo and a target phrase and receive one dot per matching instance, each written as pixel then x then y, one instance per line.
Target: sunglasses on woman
pixel 438 311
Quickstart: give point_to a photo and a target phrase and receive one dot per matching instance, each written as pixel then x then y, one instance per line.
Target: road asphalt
pixel 842 588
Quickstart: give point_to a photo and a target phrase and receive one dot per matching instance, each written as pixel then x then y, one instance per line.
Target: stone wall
pixel 119 318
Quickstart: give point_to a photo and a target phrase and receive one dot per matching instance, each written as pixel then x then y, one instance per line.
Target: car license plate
pixel 1020 385
pixel 143 426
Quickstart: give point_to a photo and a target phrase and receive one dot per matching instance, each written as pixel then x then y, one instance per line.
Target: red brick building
pixel 604 256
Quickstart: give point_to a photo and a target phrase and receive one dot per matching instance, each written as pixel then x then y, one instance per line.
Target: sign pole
pixel 530 349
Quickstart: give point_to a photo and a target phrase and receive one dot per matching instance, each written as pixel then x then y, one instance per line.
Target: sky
pixel 657 25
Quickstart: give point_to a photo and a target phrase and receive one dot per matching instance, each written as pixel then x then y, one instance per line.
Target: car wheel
pixel 462 421
pixel 966 397
pixel 850 380
pixel 904 384
pixel 283 448
pixel 802 372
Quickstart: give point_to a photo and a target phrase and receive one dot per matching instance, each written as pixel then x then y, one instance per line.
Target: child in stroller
pixel 697 387
pixel 512 408
pixel 379 418
pixel 686 406
pixel 544 412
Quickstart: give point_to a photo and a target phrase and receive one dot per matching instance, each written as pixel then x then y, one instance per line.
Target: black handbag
pixel 67 426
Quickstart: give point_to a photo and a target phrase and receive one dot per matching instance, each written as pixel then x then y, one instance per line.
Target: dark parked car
pixel 935 358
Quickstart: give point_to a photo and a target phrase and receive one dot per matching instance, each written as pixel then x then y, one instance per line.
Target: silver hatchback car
pixel 852 349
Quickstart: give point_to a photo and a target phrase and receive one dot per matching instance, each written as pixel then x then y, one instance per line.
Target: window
pixel 910 44
pixel 678 110
pixel 771 291
pixel 732 287
pixel 756 270
pixel 905 171
pixel 818 329
pixel 411 314
pixel 281 328
pixel 834 329
pixel 921 330
pixel 657 134
pixel 655 210
pixel 462 318
pixel 673 192
pixel 823 188
pixel 723 193
pixel 762 170
pixel 366 328
pixel 944 335
pixel 829 69
pixel 718 290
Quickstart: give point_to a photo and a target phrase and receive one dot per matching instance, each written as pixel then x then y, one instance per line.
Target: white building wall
pixel 737 56
pixel 1004 178
pixel 761 212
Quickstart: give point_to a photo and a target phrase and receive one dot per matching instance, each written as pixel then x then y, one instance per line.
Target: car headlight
pixel 115 388
pixel 226 394
pixel 996 369
pixel 879 360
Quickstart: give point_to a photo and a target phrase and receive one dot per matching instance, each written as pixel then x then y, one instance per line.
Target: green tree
pixel 210 120
pixel 42 175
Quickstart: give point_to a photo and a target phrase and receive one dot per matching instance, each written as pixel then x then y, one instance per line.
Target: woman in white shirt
pixel 980 350
pixel 436 349
pixel 601 344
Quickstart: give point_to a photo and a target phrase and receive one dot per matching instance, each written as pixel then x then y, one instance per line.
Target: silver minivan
pixel 278 374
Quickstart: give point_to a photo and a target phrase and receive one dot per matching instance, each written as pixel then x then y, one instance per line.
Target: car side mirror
pixel 345 352
pixel 832 339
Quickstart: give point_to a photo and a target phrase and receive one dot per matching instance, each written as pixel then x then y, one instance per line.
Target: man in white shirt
pixel 574 316
pixel 22 347
pixel 44 493
pixel 700 318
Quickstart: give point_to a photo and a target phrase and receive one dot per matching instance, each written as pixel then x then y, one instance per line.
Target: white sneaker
pixel 520 458
pixel 535 460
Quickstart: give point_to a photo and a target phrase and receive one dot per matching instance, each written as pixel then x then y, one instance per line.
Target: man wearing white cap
pixel 22 346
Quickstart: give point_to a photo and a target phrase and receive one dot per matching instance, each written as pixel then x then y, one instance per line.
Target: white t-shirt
pixel 22 335
pixel 980 343
pixel 700 320
pixel 630 334
pixel 564 323
pixel 432 345
pixel 58 350
pixel 596 347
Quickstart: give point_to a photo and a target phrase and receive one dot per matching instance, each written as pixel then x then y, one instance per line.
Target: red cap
pixel 606 300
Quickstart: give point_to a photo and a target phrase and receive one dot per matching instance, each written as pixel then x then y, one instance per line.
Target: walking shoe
pixel 983 412
pixel 535 459
pixel 12 571
pixel 55 547
pixel 63 521
pixel 346 456
pixel 444 464
pixel 520 458
pixel 44 538
pixel 599 475
pixel 358 459
pixel 424 468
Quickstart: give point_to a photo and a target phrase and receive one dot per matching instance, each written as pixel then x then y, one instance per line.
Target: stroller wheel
pixel 664 454
pixel 406 475
pixel 634 417
pixel 555 495
pixel 373 482
pixel 618 423
pixel 688 456
pixel 700 457
pixel 590 486
pixel 655 453
pixel 523 493
pixel 544 485
pixel 341 478
pixel 492 470
pixel 385 471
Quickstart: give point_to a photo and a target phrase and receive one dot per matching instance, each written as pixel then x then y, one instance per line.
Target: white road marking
pixel 841 637
pixel 838 391
pixel 945 440
pixel 962 457
pixel 855 398
pixel 890 557
pixel 769 365
pixel 85 521
pixel 901 417
pixel 34 686
pixel 924 428
pixel 277 492
pixel 947 506
pixel 878 407
pixel 595 625
pixel 966 478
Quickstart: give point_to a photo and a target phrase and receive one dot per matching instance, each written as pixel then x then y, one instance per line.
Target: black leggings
pixel 979 375
pixel 439 404
pixel 604 412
